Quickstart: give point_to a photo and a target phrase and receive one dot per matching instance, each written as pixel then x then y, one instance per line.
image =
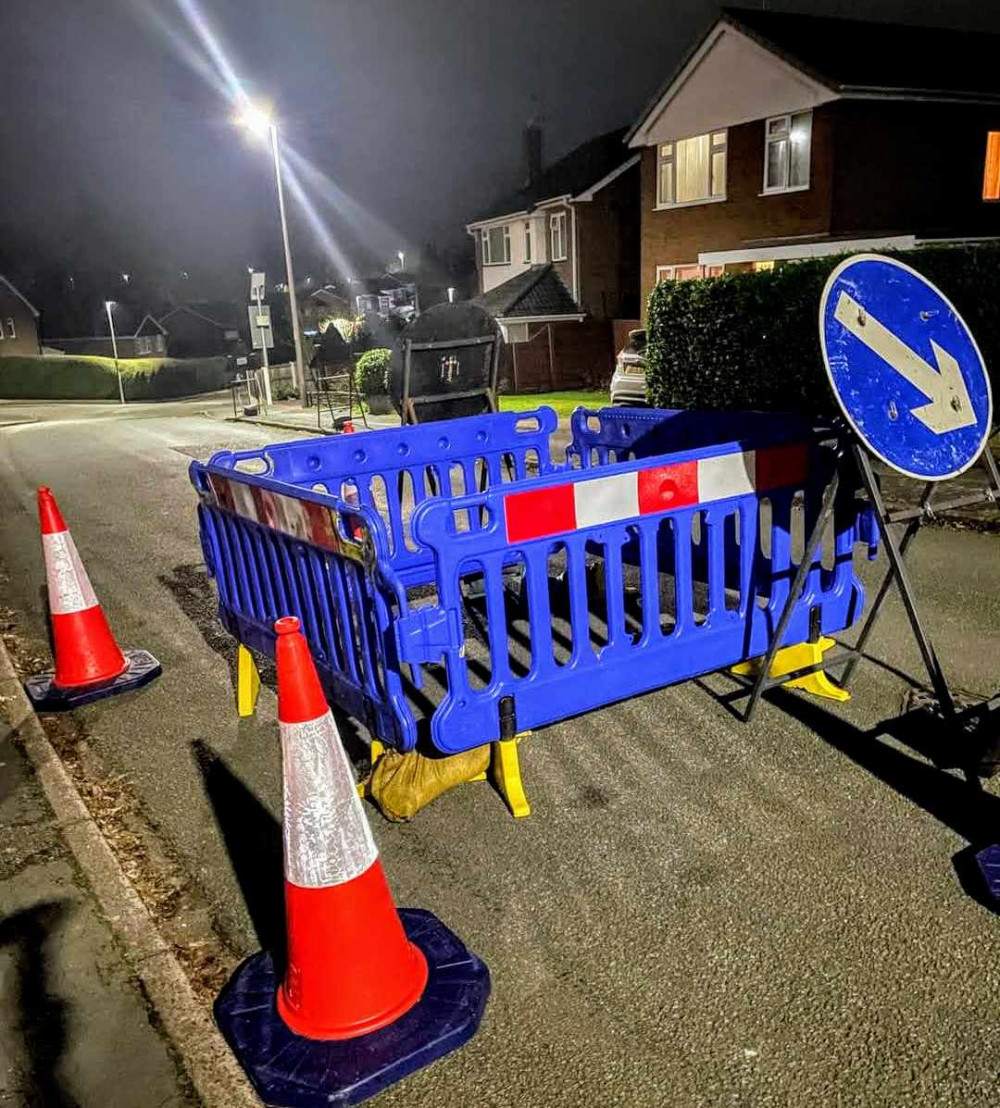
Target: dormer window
pixel 496 245
pixel 691 170
pixel 787 146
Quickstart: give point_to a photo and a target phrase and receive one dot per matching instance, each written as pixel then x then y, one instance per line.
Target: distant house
pixel 18 322
pixel 557 262
pixel 320 304
pixel 386 293
pixel 201 330
pixel 150 338
pixel 785 136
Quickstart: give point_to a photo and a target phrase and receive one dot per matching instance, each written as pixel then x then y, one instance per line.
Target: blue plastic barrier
pixel 564 586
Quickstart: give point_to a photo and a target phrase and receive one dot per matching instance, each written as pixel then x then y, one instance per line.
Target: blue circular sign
pixel 904 368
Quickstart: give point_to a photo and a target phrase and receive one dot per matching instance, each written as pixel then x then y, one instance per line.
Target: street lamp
pixel 260 123
pixel 401 256
pixel 108 305
pixel 125 277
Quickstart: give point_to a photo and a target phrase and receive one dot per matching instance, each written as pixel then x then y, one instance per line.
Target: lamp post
pixel 260 123
pixel 108 305
pixel 402 258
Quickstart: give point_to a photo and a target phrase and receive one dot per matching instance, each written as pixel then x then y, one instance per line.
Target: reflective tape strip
pixel 726 475
pixel 611 498
pixel 327 837
pixel 69 586
pixel 606 499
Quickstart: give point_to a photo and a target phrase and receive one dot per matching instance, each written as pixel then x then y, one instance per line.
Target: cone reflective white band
pixel 327 837
pixel 69 586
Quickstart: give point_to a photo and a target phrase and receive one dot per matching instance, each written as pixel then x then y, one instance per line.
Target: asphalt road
pixel 698 912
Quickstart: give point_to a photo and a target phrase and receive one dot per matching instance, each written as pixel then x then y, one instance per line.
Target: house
pixel 319 305
pixel 150 338
pixel 18 322
pixel 386 293
pixel 201 330
pixel 782 137
pixel 557 261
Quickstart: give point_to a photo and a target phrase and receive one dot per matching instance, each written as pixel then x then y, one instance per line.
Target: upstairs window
pixel 557 237
pixel 787 146
pixel 991 174
pixel 527 241
pixel 496 246
pixel 691 170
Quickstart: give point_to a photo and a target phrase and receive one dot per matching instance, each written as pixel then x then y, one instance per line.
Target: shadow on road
pixel 965 808
pixel 41 1016
pixel 253 841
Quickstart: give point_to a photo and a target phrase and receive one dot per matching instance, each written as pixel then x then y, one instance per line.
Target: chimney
pixel 532 153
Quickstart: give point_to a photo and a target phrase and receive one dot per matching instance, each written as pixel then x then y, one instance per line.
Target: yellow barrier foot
pixel 247 683
pixel 507 775
pixel 376 748
pixel 791 658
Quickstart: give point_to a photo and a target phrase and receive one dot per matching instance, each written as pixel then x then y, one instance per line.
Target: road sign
pixel 260 326
pixel 256 285
pixel 904 368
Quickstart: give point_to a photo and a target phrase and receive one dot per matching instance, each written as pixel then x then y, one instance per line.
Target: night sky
pixel 118 146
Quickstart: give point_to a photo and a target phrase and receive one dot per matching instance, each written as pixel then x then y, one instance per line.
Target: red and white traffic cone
pixel 89 663
pixel 358 971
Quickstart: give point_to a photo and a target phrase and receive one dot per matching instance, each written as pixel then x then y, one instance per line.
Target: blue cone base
pixel 988 861
pixel 289 1071
pixel 46 696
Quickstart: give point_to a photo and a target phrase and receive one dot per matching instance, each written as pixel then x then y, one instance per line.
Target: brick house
pixel 783 137
pixel 557 262
pixel 18 322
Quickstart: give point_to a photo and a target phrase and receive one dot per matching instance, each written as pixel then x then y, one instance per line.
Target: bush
pixel 371 373
pixel 751 340
pixel 92 378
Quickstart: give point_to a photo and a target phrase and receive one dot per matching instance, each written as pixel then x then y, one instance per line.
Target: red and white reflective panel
pixel 69 586
pixel 301 519
pixel 590 502
pixel 327 837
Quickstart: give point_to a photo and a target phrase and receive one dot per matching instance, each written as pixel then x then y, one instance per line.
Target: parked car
pixel 628 383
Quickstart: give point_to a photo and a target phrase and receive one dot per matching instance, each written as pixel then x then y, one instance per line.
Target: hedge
pixel 750 341
pixel 93 378
pixel 371 372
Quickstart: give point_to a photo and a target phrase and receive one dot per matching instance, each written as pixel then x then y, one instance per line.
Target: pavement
pixel 76 1030
pixel 698 911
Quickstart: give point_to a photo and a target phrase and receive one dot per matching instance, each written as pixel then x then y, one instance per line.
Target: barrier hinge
pixel 424 635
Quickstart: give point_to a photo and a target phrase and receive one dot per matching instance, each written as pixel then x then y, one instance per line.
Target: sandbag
pixel 402 784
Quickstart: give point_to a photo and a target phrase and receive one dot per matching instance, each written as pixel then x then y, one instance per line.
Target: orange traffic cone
pixel 89 663
pixel 358 971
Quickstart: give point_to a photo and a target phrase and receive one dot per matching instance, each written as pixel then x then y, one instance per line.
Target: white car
pixel 628 383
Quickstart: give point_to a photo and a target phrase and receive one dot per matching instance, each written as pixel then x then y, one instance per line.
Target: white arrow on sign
pixel 950 406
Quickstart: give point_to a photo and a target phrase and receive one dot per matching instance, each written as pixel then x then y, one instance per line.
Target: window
pixel 557 236
pixel 11 331
pixel 787 143
pixel 496 246
pixel 527 241
pixel 991 174
pixel 686 272
pixel 692 170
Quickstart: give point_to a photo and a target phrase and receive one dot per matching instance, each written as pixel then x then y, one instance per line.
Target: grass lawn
pixel 563 402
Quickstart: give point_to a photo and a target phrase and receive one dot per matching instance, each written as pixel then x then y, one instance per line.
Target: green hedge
pixel 371 372
pixel 751 340
pixel 92 378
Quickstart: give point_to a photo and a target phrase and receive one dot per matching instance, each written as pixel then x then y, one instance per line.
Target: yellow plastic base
pixel 376 749
pixel 247 683
pixel 506 768
pixel 791 658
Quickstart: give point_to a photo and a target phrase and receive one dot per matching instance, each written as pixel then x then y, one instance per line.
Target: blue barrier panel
pixel 491 572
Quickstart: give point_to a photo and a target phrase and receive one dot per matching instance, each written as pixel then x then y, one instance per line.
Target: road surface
pixel 698 912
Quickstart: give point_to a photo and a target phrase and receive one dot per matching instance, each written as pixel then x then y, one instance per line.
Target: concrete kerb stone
pixel 213 1070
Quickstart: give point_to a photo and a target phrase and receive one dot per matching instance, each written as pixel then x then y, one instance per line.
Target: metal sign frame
pixel 488 392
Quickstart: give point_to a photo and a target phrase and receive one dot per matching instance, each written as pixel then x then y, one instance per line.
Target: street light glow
pixel 256 121
pixel 125 277
pixel 109 304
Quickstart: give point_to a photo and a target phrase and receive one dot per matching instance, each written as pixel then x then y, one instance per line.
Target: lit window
pixel 687 272
pixel 557 236
pixel 763 267
pixel 11 331
pixel 527 241
pixel 991 175
pixel 692 170
pixel 788 140
pixel 496 246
